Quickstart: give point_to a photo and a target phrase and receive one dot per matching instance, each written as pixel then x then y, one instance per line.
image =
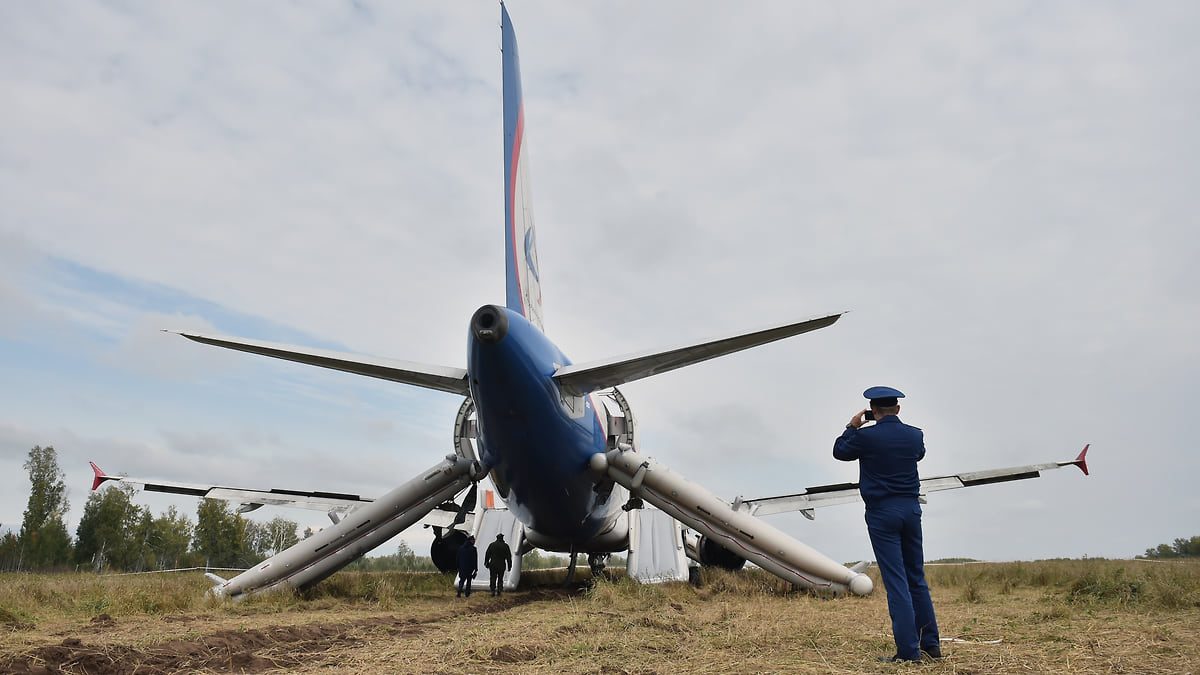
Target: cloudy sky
pixel 996 191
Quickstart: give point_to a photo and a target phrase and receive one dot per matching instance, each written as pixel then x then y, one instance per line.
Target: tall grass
pixel 27 600
pixel 1135 583
pixel 32 597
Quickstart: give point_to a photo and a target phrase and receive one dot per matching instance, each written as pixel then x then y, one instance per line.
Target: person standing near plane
pixel 498 560
pixel 887 454
pixel 468 565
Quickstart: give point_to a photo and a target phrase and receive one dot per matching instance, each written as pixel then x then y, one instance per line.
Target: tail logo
pixel 531 256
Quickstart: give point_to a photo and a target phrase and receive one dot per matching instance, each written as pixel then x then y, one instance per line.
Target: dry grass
pixel 1048 617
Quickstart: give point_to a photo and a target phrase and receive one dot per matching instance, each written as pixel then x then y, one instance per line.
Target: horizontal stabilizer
pixel 844 493
pixel 580 379
pixel 441 378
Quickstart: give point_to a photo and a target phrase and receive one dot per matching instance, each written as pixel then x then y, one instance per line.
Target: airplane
pixel 557 440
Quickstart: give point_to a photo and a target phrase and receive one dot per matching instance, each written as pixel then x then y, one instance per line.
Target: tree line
pixel 115 534
pixel 1181 548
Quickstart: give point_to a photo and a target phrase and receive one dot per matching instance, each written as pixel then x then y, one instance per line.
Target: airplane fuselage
pixel 536 441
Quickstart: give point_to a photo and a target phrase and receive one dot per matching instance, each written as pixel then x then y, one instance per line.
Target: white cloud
pixel 1002 195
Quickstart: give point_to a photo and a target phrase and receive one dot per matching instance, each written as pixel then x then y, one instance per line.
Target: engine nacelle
pixel 713 554
pixel 444 550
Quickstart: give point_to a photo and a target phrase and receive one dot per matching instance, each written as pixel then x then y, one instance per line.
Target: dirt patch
pixel 245 650
pixel 507 602
pixel 237 651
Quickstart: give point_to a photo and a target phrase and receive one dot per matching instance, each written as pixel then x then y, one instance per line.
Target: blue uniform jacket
pixel 468 560
pixel 887 455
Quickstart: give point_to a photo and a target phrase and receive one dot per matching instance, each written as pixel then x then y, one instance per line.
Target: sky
pixel 1000 195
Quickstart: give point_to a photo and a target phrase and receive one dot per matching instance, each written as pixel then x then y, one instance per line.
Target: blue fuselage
pixel 535 445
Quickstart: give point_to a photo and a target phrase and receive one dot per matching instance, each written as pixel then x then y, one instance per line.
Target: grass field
pixel 1070 616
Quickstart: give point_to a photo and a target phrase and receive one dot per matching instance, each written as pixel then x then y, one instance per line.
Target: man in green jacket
pixel 498 559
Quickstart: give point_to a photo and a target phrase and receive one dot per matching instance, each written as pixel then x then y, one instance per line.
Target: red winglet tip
pixel 100 477
pixel 1081 460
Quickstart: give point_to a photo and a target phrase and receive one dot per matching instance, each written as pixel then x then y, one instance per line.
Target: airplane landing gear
pixel 571 567
pixel 597 562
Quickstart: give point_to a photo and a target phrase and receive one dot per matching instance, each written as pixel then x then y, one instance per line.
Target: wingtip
pixel 100 475
pixel 1081 460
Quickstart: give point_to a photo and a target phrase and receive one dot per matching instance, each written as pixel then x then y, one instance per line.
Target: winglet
pixel 1081 460
pixel 100 476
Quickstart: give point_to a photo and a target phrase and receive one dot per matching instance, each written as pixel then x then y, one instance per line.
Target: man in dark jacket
pixel 887 455
pixel 468 565
pixel 498 559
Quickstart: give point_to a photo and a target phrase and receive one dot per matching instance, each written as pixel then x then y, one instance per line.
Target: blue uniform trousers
pixel 895 529
pixel 464 581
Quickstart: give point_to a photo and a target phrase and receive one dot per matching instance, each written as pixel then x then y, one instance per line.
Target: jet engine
pixel 713 554
pixel 444 550
pixel 709 553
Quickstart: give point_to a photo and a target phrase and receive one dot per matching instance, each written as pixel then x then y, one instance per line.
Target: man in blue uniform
pixel 468 565
pixel 887 454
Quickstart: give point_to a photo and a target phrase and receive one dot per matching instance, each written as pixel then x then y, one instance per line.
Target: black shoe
pixel 458 595
pixel 934 652
pixel 897 659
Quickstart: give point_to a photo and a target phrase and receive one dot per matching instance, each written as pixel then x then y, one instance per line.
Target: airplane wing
pixel 250 499
pixel 441 378
pixel 579 379
pixel 843 493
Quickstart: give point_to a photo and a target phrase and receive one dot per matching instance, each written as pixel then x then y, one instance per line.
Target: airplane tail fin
pixel 524 292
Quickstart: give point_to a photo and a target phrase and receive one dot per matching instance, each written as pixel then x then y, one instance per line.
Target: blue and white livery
pixel 557 440
pixel 520 243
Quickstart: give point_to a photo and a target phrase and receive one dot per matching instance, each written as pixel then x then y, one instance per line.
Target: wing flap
pixel 443 515
pixel 321 501
pixel 441 378
pixel 580 379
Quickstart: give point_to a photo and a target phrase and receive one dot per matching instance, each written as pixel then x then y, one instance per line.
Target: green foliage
pixel 220 534
pixel 1181 548
pixel 168 541
pixel 540 560
pixel 1114 586
pixel 263 540
pixel 112 531
pixel 1147 585
pixel 116 534
pixel 403 560
pixel 43 542
pixel 10 551
pixel 389 589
